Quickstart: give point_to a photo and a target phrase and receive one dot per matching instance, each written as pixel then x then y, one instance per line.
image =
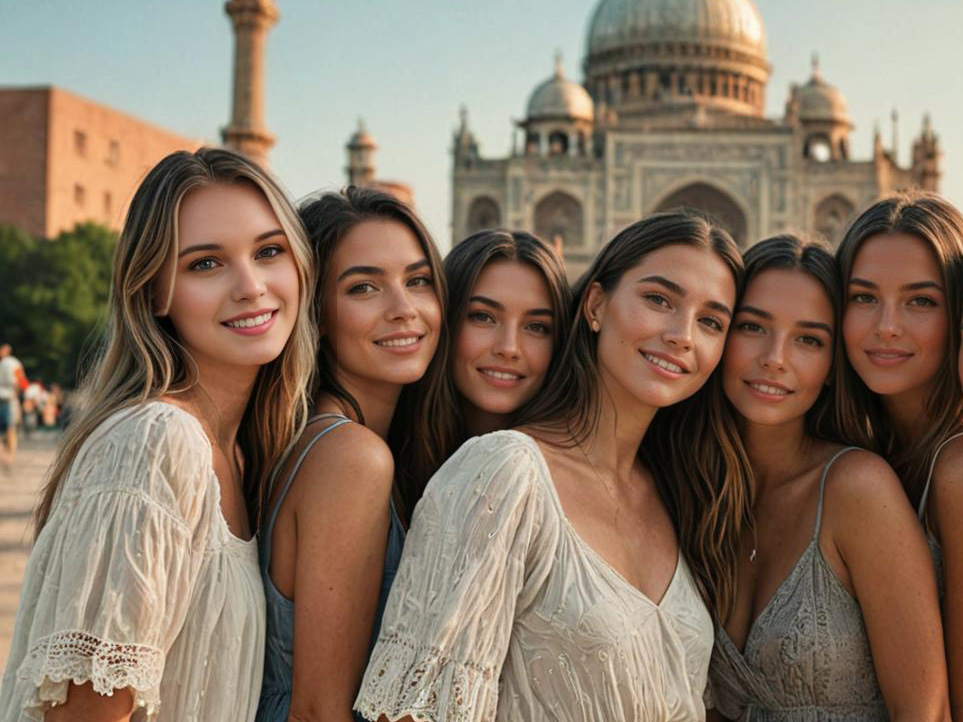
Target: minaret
pixel 251 19
pixel 361 148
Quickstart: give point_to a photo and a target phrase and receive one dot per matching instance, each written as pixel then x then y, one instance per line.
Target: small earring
pixel 595 325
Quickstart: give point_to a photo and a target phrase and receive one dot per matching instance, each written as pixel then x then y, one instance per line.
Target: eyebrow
pixel 218 247
pixel 679 291
pixel 819 325
pixel 492 303
pixel 917 286
pixel 378 271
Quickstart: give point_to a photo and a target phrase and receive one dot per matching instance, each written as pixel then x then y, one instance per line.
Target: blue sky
pixel 406 67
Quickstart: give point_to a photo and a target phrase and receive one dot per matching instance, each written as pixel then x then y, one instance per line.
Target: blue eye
pixel 923 302
pixel 203 264
pixel 270 251
pixel 657 298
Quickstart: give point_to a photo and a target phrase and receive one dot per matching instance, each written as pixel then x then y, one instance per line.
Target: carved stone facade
pixel 688 130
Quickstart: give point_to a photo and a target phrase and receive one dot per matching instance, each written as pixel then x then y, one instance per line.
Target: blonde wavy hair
pixel 141 358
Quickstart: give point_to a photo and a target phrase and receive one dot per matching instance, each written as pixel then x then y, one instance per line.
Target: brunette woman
pixel 509 308
pixel 142 598
pixel 900 392
pixel 547 574
pixel 836 616
pixel 335 526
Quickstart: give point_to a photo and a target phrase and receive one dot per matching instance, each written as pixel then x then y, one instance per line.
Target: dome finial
pixel 559 65
pixel 463 115
pixel 815 61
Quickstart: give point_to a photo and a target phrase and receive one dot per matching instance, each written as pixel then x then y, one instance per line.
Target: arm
pixel 342 495
pixel 946 510
pixel 883 548
pixel 85 705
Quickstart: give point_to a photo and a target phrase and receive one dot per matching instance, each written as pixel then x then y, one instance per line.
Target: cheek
pixel 348 324
pixel 855 324
pixel 710 354
pixel 813 370
pixel 933 335
pixel 430 311
pixel 471 343
pixel 538 355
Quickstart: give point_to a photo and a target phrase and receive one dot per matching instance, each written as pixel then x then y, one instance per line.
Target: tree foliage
pixel 53 297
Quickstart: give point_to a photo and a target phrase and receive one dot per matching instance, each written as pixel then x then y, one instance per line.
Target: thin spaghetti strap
pixel 822 488
pixel 269 527
pixel 921 511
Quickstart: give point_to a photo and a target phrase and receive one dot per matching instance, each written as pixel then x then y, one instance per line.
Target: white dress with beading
pixel 137 582
pixel 500 611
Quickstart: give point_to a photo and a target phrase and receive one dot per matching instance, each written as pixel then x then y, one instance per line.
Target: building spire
pixel 894 151
pixel 247 132
pixel 559 65
pixel 817 73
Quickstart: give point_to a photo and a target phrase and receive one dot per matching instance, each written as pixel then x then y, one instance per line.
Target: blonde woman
pixel 142 598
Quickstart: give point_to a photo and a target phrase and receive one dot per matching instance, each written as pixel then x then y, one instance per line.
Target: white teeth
pixel 661 362
pixel 771 390
pixel 501 375
pixel 399 341
pixel 251 322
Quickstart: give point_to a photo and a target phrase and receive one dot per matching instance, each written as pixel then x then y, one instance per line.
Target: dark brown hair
pixel 861 415
pixel 463 265
pixel 693 447
pixel 415 439
pixel 788 252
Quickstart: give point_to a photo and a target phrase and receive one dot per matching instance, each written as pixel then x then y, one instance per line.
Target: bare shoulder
pixel 350 456
pixel 860 481
pixel 948 472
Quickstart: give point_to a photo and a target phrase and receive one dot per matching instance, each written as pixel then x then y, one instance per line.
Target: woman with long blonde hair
pixel 142 595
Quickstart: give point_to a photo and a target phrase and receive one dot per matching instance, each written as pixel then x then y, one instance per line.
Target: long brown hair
pixel 416 441
pixel 788 252
pixel 693 447
pixel 142 359
pixel 861 415
pixel 463 265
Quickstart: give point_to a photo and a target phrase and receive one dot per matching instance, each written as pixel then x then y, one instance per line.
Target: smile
pixel 399 342
pixel 663 363
pixel 252 321
pixel 767 389
pixel 501 375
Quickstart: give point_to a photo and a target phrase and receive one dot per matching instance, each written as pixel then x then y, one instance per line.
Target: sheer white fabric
pixel 501 612
pixel 136 581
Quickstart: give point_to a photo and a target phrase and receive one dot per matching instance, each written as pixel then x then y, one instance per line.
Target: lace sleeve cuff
pixel 407 679
pixel 56 661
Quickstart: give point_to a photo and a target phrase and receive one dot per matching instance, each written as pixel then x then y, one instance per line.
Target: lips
pixel 769 388
pixel 665 362
pixel 252 319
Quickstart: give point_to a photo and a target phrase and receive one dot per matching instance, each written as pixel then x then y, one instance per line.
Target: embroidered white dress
pixel 136 581
pixel 501 612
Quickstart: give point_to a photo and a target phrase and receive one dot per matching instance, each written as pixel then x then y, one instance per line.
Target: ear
pixel 593 308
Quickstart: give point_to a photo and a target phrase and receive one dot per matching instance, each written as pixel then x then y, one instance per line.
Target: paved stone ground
pixel 19 487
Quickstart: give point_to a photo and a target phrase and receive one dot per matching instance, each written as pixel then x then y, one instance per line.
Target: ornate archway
pixel 831 216
pixel 711 200
pixel 483 213
pixel 558 219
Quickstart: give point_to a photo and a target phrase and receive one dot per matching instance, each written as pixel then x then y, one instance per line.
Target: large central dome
pixel 647 55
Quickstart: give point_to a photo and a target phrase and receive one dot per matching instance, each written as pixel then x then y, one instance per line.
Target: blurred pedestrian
pixel 12 382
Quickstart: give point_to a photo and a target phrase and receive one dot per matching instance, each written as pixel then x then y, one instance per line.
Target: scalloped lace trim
pixel 74 656
pixel 405 679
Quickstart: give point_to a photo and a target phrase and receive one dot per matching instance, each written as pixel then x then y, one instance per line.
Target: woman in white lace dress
pixel 142 598
pixel 562 571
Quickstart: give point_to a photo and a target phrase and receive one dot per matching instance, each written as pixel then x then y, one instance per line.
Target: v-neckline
pixel 600 560
pixel 769 603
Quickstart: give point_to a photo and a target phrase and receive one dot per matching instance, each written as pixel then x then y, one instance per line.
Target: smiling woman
pixel 142 595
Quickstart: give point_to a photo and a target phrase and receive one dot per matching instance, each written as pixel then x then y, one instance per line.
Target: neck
pixel 377 402
pixel 621 428
pixel 907 413
pixel 220 398
pixel 776 453
pixel 479 422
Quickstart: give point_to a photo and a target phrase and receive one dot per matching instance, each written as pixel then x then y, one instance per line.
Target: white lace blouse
pixel 136 581
pixel 501 612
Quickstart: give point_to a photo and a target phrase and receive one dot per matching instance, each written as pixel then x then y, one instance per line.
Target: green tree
pixel 54 297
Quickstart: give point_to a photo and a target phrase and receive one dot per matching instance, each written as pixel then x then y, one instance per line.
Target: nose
pixel 888 325
pixel 773 357
pixel 679 333
pixel 249 283
pixel 399 306
pixel 506 342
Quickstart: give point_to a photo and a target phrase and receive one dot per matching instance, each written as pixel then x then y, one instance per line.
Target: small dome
pixel 559 97
pixel 821 102
pixel 361 138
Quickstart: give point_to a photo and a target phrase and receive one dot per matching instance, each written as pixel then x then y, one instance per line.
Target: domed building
pixel 670 112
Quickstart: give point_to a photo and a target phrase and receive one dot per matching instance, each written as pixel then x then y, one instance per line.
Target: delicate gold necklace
pixel 601 479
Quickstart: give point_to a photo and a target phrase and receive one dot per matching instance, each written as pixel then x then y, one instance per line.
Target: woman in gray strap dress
pixel 333 537
pixel 899 391
pixel 836 617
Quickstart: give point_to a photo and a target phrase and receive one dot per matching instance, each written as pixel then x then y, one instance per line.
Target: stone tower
pixel 251 19
pixel 361 148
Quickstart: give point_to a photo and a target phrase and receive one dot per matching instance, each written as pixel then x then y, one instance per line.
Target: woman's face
pixel 780 349
pixel 662 329
pixel 504 342
pixel 895 324
pixel 382 316
pixel 236 288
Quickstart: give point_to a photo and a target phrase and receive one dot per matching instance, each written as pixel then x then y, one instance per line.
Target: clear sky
pixel 406 67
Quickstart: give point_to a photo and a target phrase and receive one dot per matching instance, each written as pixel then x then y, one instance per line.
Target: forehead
pixel 377 242
pixel 701 272
pixel 513 284
pixel 220 212
pixel 896 258
pixel 789 294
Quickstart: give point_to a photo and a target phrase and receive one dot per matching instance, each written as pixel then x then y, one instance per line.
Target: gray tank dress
pixel 279 643
pixel 931 539
pixel 807 655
